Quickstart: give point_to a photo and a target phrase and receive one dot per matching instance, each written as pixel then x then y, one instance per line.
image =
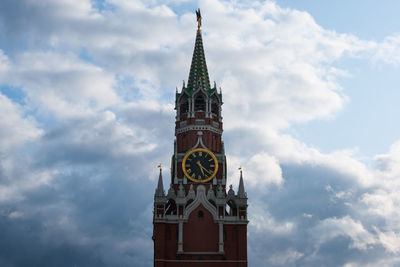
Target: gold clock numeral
pixel 194 155
pixel 200 153
pixel 210 159
pixel 189 159
pixel 189 170
pixel 187 165
pixel 212 165
pixel 192 176
pixel 199 177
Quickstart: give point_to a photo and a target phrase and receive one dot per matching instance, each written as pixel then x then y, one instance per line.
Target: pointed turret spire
pixel 241 192
pixel 160 187
pixel 198 75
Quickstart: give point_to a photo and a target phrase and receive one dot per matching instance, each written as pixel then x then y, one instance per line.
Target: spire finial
pixel 198 14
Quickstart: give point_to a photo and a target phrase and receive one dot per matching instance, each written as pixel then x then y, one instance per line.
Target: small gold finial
pixel 159 166
pixel 198 14
pixel 240 169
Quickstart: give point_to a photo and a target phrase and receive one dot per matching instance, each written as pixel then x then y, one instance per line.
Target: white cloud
pixel 390 240
pixel 16 128
pixel 388 50
pixel 285 257
pixel 62 84
pixel 262 222
pixel 4 64
pixel 347 227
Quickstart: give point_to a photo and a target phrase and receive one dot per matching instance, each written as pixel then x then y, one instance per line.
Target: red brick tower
pixel 198 223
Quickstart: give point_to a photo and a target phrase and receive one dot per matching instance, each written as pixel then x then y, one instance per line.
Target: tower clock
pixel 200 165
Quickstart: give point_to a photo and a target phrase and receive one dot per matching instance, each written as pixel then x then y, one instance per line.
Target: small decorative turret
pixel 231 192
pixel 181 191
pixel 191 193
pixel 159 197
pixel 171 192
pixel 210 194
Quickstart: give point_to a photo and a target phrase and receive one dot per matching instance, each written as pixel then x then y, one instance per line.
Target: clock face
pixel 200 165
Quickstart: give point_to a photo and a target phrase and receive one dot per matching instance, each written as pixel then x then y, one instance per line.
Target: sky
pixel 310 111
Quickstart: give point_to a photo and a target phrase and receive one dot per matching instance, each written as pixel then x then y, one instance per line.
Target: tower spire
pixel 241 192
pixel 198 76
pixel 160 187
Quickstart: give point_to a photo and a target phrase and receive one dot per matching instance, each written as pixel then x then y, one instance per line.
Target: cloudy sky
pixel 310 110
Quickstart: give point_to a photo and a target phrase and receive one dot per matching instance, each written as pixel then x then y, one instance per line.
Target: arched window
pixel 231 208
pixel 170 208
pixel 200 214
pixel 184 106
pixel 215 105
pixel 199 103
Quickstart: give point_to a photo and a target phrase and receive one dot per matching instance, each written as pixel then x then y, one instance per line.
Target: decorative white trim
pixel 199 142
pixel 221 238
pixel 180 237
pixel 201 198
pixel 198 122
pixel 198 127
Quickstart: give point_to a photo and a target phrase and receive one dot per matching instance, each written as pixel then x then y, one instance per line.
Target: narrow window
pixel 214 108
pixel 184 107
pixel 200 214
pixel 199 103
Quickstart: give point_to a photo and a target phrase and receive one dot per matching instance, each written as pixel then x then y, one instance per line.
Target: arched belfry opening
pixel 215 106
pixel 200 103
pixel 170 208
pixel 184 106
pixel 231 208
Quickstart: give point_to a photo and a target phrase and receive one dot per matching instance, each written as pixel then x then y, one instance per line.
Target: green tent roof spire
pixel 198 75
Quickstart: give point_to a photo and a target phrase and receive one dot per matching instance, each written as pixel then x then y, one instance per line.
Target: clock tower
pixel 199 222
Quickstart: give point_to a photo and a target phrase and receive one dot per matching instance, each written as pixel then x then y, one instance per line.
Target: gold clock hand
pixel 201 167
pixel 209 172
